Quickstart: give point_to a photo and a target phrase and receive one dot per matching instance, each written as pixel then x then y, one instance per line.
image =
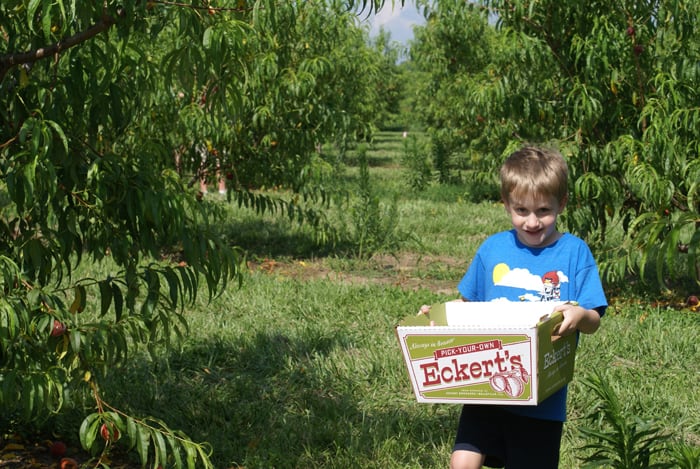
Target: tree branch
pixel 8 61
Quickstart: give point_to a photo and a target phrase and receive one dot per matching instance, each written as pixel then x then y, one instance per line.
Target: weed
pixel 620 440
pixel 416 161
pixel 375 227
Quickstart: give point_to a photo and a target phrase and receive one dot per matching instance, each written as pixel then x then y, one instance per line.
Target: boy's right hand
pixel 425 309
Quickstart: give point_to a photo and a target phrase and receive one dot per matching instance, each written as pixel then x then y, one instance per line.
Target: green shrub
pixel 417 163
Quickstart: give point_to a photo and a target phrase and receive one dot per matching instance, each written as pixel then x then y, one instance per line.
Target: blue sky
pixel 398 21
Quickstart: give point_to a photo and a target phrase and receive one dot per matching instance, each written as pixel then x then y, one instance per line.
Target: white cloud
pixel 386 15
pixel 398 21
pixel 521 278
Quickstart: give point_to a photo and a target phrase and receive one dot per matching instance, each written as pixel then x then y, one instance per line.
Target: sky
pixel 398 21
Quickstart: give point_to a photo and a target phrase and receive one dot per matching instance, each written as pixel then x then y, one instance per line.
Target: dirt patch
pixel 408 271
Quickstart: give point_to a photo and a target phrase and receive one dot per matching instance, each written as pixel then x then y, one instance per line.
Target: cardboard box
pixel 486 353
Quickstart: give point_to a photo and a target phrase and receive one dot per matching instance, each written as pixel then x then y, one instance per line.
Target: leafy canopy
pixel 110 113
pixel 613 85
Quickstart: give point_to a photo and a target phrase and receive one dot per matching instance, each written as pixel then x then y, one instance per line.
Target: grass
pixel 300 367
pixel 296 373
pixel 307 373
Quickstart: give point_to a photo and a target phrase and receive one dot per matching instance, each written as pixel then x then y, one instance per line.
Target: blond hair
pixel 534 171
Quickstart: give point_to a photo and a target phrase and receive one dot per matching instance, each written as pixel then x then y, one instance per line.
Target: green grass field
pixel 300 367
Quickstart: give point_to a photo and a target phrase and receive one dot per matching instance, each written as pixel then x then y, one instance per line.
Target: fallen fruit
pixel 58 449
pixel 69 463
pixel 693 300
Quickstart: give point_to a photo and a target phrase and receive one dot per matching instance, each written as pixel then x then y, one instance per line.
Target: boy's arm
pixel 577 318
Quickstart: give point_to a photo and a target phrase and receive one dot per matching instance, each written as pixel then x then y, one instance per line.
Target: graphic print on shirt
pixel 546 287
pixel 551 290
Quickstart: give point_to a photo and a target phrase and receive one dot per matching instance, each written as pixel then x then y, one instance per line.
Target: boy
pixel 531 262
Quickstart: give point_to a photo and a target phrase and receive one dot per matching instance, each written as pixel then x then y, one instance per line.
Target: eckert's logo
pixel 472 362
pixel 554 357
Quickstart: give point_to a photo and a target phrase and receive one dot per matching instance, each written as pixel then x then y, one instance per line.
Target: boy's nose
pixel 532 220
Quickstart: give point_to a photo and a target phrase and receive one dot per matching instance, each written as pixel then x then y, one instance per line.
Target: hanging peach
pixel 109 432
pixel 58 328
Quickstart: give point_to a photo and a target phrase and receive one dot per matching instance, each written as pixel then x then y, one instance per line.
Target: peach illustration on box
pixel 512 382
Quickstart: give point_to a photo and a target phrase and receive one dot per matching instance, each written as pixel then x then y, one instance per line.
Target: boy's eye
pixel 540 212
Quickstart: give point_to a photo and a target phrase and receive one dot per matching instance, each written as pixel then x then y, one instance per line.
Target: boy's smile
pixel 535 219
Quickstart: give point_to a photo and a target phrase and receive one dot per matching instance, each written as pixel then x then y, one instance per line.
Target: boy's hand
pixel 577 318
pixel 425 309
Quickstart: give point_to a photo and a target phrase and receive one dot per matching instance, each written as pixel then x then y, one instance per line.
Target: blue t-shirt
pixel 504 268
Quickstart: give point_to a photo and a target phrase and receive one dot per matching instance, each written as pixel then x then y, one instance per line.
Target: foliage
pixel 620 440
pixel 375 228
pixel 109 113
pixel 685 456
pixel 454 54
pixel 150 438
pixel 613 85
pixel 391 87
pixel 417 163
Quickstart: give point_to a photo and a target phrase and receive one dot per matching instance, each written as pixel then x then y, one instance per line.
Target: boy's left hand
pixel 577 318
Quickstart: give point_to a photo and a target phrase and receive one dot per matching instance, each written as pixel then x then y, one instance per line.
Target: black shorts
pixel 507 439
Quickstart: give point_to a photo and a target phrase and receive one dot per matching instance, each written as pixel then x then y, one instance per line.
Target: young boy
pixel 531 262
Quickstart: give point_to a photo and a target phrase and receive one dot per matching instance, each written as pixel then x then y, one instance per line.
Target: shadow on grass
pixel 275 401
pixel 376 159
pixel 263 238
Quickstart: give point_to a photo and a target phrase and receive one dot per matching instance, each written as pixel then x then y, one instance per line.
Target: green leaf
pixel 46 18
pixel 175 449
pixel 59 132
pixel 75 340
pixel 89 430
pixel 79 301
pixel 32 13
pixel 143 442
pixel 207 37
pixel 160 447
pixel 175 295
pixel 132 431
pixel 105 296
pixel 118 301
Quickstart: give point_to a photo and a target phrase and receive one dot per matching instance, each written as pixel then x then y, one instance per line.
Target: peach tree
pixel 456 51
pixel 111 111
pixel 615 86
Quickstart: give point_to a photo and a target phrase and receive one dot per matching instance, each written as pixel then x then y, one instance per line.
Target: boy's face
pixel 535 219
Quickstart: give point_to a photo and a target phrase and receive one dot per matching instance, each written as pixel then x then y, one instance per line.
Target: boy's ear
pixel 562 203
